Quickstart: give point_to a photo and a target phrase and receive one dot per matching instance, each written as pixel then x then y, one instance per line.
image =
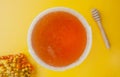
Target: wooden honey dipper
pixel 96 17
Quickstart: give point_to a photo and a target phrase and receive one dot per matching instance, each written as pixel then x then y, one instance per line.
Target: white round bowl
pixel 88 33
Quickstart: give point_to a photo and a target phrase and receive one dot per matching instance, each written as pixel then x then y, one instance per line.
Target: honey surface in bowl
pixel 59 38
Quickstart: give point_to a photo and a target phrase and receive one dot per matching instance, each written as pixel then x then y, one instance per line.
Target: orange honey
pixel 59 39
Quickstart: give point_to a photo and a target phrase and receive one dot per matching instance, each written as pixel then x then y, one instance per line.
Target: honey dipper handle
pixel 103 34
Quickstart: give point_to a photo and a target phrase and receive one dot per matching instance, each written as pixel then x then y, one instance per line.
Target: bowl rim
pixel 88 33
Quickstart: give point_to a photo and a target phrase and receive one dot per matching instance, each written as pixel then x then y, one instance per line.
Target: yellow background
pixel 17 15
